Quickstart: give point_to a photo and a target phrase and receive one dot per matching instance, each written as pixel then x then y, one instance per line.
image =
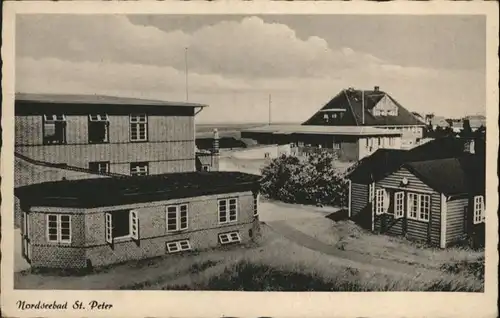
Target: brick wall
pixel 88 231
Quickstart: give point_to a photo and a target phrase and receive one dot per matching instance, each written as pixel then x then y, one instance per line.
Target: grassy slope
pixel 274 264
pixel 349 237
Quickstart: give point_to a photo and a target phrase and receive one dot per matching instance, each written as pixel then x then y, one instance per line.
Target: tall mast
pixel 186 70
pixel 363 106
pixel 269 106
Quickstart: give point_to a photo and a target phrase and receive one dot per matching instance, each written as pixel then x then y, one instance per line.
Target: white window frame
pixel 53 119
pixel 134 224
pixel 228 238
pixel 59 229
pixel 178 217
pixel 139 170
pixel 421 198
pixel 228 209
pixel 478 216
pixel 101 118
pixel 380 197
pixel 133 233
pixel 135 122
pixel 399 204
pixel 178 246
pixel 371 192
pixel 421 206
pixel 99 163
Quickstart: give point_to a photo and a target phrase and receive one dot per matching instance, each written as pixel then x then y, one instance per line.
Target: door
pixel 26 237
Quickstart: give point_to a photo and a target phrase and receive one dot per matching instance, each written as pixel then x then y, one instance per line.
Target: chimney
pixel 215 151
pixel 215 146
pixel 376 88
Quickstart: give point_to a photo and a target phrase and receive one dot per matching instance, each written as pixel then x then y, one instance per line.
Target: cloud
pixel 238 98
pixel 250 47
pixel 233 67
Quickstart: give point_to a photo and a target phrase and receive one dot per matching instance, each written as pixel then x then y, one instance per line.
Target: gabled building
pixel 374 108
pixel 433 193
pixel 354 123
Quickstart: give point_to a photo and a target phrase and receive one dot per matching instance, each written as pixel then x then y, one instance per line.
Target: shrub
pixel 312 181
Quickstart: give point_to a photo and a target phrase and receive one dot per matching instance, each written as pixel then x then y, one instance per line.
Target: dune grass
pixel 273 263
pixel 348 236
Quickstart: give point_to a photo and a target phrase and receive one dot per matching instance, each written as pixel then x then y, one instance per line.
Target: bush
pixel 312 181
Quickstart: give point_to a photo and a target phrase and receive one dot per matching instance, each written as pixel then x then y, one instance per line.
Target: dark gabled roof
pixel 97 99
pixel 91 193
pixel 377 165
pixel 385 161
pixel 351 101
pixel 452 176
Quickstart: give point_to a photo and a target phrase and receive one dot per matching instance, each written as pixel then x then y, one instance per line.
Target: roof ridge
pixel 350 107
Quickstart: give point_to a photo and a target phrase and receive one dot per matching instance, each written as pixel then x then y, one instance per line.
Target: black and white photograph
pixel 249 152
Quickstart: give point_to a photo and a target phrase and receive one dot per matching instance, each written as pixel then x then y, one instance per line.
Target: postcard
pixel 249 159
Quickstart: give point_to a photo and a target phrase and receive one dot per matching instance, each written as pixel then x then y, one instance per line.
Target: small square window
pixel 227 238
pixel 99 166
pixel 139 169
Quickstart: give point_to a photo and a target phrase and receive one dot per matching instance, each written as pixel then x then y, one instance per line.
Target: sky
pixel 239 65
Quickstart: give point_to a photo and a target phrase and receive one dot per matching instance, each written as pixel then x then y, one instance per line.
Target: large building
pixel 101 180
pixel 353 119
pixel 107 134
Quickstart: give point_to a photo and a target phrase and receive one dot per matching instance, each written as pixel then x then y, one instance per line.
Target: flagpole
pixel 269 106
pixel 186 65
pixel 363 105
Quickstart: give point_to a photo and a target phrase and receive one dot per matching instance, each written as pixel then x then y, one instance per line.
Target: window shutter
pixel 134 225
pixel 386 202
pixel 109 228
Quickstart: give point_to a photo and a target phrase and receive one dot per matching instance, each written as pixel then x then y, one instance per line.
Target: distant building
pixel 349 143
pixel 476 121
pixel 456 125
pixel 439 122
pixel 354 124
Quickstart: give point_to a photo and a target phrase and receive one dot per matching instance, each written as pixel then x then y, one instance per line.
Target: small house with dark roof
pixel 97 222
pixel 435 194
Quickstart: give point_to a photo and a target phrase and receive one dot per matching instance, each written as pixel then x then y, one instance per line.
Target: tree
pixel 312 181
